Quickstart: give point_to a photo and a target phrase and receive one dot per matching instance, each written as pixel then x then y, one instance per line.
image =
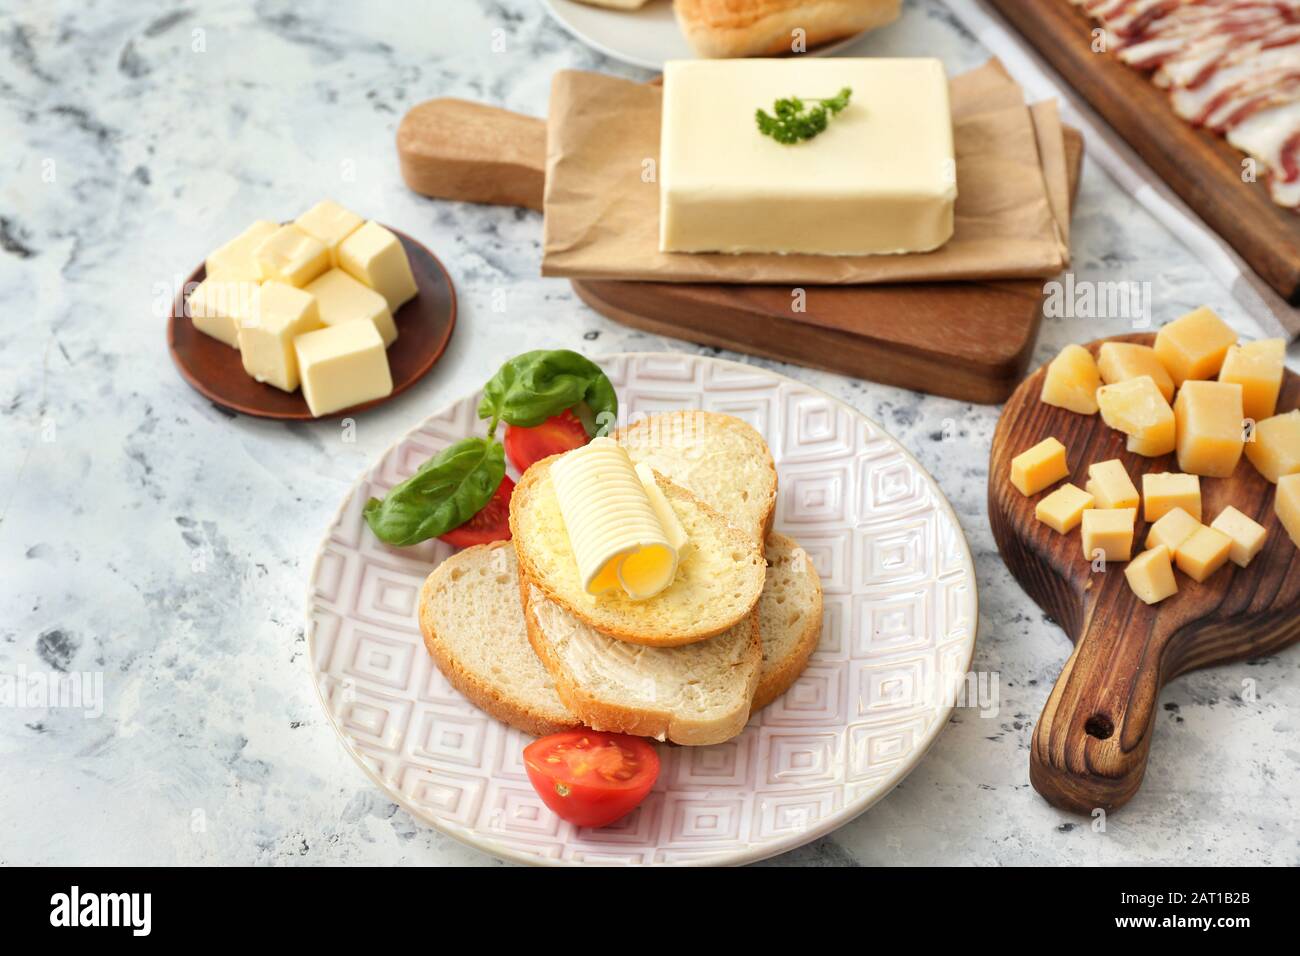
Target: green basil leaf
pixel 532 387
pixel 448 490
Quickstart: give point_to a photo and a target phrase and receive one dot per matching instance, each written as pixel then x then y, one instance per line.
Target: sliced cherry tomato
pixel 590 778
pixel 492 523
pixel 562 432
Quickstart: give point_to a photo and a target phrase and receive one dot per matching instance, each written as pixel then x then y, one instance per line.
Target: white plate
pixel 900 613
pixel 647 37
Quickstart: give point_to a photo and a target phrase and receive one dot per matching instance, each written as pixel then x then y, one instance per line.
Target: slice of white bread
pixel 789 617
pixel 473 626
pixel 718 458
pixel 696 694
pixel 728 28
pixel 718 580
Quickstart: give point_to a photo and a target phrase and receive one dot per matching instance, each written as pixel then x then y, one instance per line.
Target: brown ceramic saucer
pixel 424 326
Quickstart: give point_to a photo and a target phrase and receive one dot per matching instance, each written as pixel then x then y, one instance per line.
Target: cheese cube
pixel 1108 531
pixel 217 307
pixel 1063 509
pixel 1193 346
pixel 1139 409
pixel 1287 505
pixel 1147 449
pixel 1274 448
pixel 291 256
pixel 1072 381
pixel 374 256
pixel 1172 530
pixel 342 366
pixel 1040 466
pixel 1121 361
pixel 1164 491
pixel 1151 575
pixel 1246 533
pixel 342 298
pixel 1203 553
pixel 1110 484
pixel 278 315
pixel 331 224
pixel 1257 368
pixel 235 260
pixel 1210 428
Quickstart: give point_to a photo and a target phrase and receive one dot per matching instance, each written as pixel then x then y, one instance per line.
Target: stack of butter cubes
pixel 309 304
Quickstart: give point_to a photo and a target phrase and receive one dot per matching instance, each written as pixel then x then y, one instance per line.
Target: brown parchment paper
pixel 602 209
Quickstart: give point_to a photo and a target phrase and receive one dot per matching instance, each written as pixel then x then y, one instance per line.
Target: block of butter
pixel 881 178
pixel 342 365
pixel 342 298
pixel 374 257
pixel 277 315
pixel 235 260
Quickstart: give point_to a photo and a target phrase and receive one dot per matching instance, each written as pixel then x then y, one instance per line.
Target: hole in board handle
pixel 1099 726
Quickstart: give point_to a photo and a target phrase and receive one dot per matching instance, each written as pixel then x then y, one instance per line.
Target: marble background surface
pixel 148 537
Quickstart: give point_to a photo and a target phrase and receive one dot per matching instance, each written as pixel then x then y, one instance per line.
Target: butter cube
pixel 291 256
pixel 1108 531
pixel 1072 381
pixel 1172 530
pixel 1110 484
pixel 1193 346
pixel 1274 449
pixel 217 307
pixel 342 298
pixel 278 315
pixel 235 260
pixel 331 224
pixel 1257 368
pixel 1203 553
pixel 374 256
pixel 1063 509
pixel 1121 361
pixel 1139 409
pixel 1210 428
pixel 342 366
pixel 1162 492
pixel 1246 533
pixel 1287 505
pixel 1035 469
pixel 1151 575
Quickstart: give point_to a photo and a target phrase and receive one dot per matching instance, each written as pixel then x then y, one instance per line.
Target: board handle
pixel 455 149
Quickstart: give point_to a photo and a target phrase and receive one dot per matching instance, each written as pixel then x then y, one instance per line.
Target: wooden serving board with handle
pixel 1091 743
pixel 964 340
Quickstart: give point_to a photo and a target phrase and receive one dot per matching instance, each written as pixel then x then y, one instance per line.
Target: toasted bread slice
pixel 718 581
pixel 473 626
pixel 718 458
pixel 789 617
pixel 696 694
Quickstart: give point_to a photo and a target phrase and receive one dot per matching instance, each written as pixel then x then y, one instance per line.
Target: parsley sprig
pixel 797 120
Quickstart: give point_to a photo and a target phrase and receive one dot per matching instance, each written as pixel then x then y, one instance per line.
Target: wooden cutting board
pixel 1091 743
pixel 1200 166
pixel 963 340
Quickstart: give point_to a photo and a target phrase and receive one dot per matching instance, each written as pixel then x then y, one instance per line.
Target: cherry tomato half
pixel 562 432
pixel 590 778
pixel 492 523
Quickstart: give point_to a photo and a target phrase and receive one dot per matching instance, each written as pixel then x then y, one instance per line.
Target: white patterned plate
pixel 900 613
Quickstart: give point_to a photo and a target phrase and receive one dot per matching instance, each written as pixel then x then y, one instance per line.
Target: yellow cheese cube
pixel 374 256
pixel 1110 484
pixel 1148 449
pixel 1035 469
pixel 342 298
pixel 1203 553
pixel 331 224
pixel 217 307
pixel 291 256
pixel 1121 361
pixel 1139 409
pixel 278 315
pixel 1063 509
pixel 1072 381
pixel 235 260
pixel 1108 531
pixel 1172 530
pixel 1287 505
pixel 1193 346
pixel 1151 575
pixel 1164 491
pixel 342 366
pixel 1274 448
pixel 1246 533
pixel 1210 427
pixel 1257 368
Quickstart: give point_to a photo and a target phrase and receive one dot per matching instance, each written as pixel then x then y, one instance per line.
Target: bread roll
pixel 732 28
